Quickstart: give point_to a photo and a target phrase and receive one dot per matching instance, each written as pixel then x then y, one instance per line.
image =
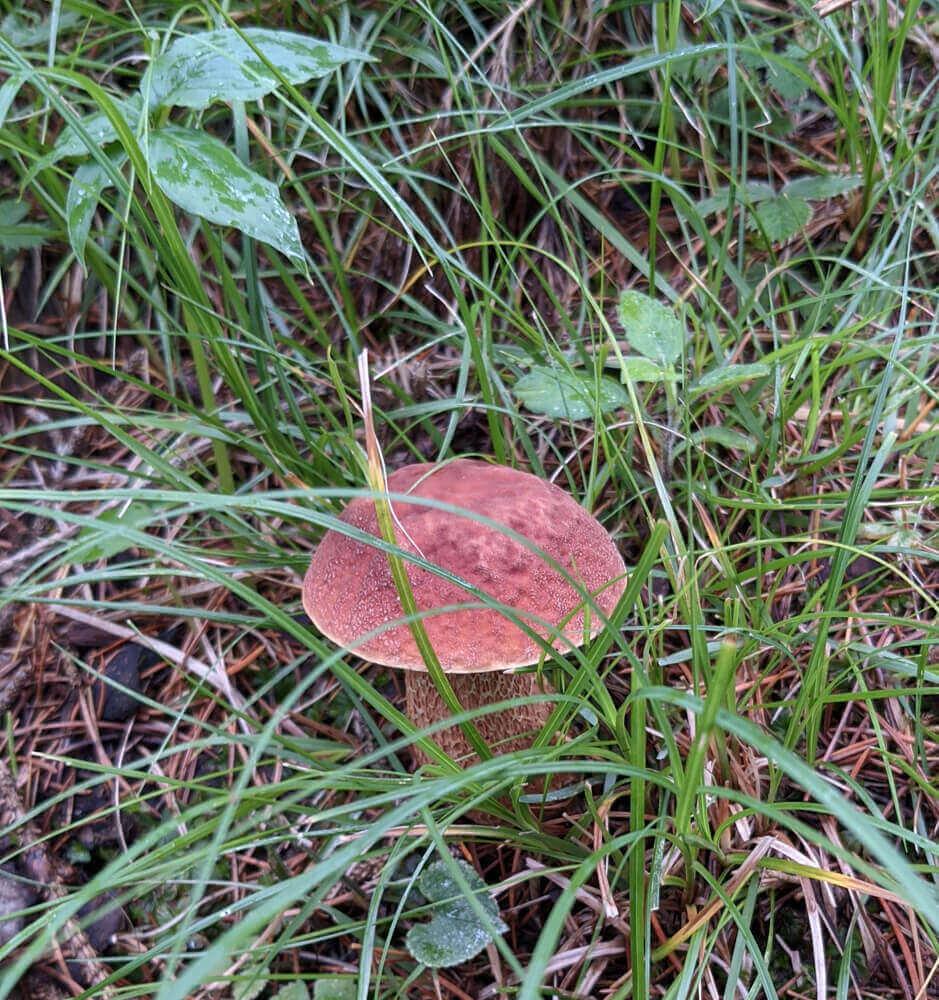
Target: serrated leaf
pixel 780 78
pixel 821 186
pixel 203 176
pixel 651 328
pixel 455 932
pixel 568 395
pixel 335 988
pixel 724 376
pixel 13 211
pixel 224 65
pixel 782 217
pixel 725 438
pixel 639 369
pixel 84 193
pixel 16 234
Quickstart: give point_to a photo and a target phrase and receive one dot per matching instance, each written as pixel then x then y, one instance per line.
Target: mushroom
pixel 349 592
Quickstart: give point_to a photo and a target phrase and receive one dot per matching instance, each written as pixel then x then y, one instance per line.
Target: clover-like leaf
pixel 563 394
pixel 750 193
pixel 651 328
pixel 203 176
pixel 228 65
pixel 782 217
pixel 455 932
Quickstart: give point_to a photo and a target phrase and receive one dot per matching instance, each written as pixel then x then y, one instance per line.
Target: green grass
pixel 752 739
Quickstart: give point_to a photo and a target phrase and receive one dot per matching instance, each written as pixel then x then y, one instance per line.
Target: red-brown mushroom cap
pixel 348 590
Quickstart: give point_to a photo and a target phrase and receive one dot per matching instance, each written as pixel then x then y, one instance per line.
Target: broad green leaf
pixel 84 193
pixel 820 186
pixel 26 30
pixel 724 376
pixel 15 234
pixel 781 217
pixel 779 73
pixel 204 177
pixel 225 65
pixel 252 985
pixel 787 83
pixel 639 369
pixel 651 328
pixel 455 932
pixel 13 211
pixel 724 437
pixel 107 538
pixel 334 988
pixel 561 394
pixel 98 129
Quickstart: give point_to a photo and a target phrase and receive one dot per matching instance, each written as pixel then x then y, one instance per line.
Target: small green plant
pixel 457 931
pixel 332 988
pixel 196 171
pixel 778 215
pixel 569 395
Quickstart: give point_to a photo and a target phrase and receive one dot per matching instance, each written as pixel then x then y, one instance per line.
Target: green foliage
pixel 204 177
pixel 195 170
pixel 456 931
pixel 651 328
pixel 333 988
pixel 15 232
pixel 242 65
pixel 568 395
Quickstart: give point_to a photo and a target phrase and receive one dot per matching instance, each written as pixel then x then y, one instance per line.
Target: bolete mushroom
pixel 349 592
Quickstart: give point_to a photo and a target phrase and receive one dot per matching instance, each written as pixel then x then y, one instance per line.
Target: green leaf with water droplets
pixel 636 368
pixel 456 932
pixel 203 176
pixel 96 130
pixel 229 65
pixel 568 395
pixel 84 193
pixel 651 328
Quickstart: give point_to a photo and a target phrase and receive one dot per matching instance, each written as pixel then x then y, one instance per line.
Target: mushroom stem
pixel 504 731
